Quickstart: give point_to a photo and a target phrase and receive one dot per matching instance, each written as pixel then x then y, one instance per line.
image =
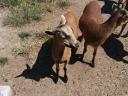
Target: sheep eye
pixel 64 35
pixel 67 37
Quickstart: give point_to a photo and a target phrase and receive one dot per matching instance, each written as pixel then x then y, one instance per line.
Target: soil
pixel 109 77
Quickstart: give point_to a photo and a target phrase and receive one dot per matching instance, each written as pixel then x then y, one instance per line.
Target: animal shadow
pixel 78 57
pixel 126 35
pixel 43 66
pixel 107 8
pixel 115 49
pixel 74 56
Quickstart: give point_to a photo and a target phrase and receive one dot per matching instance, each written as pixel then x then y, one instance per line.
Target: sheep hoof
pixel 117 36
pixel 92 65
pixel 56 79
pixel 65 79
pixel 82 61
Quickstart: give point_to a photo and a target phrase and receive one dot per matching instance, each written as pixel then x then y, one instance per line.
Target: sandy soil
pixel 108 78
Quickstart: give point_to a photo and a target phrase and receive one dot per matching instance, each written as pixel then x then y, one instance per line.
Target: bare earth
pixel 108 78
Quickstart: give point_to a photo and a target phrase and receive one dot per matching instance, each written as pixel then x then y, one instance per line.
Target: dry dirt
pixel 108 78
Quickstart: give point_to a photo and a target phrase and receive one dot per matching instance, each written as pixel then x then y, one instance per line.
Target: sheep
pixel 125 5
pixel 65 36
pixel 120 3
pixel 94 32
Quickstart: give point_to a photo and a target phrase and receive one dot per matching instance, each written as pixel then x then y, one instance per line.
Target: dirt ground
pixel 108 78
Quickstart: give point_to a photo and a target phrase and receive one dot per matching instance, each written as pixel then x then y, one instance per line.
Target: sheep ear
pixel 63 20
pixel 50 32
pixel 28 67
pixel 115 7
pixel 125 18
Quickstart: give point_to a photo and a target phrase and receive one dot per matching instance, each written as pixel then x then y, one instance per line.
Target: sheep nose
pixel 76 45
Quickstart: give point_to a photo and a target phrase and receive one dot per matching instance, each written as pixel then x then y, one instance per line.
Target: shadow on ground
pixel 107 8
pixel 78 57
pixel 43 65
pixel 115 49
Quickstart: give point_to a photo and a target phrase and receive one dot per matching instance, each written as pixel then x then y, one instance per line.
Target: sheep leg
pixel 94 55
pixel 84 51
pixel 126 35
pixel 57 69
pixel 122 29
pixel 120 2
pixel 80 38
pixel 65 72
pixel 65 64
pixel 65 69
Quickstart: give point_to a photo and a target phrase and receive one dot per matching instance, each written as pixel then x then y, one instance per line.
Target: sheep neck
pixel 58 46
pixel 110 24
pixel 59 42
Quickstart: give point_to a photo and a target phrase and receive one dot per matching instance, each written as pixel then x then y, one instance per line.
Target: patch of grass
pixel 42 35
pixel 24 35
pixel 8 3
pixel 8 20
pixel 63 3
pixel 20 51
pixel 49 7
pixel 23 49
pixel 36 18
pixel 23 13
pixel 3 60
pixel 49 27
pixel 26 46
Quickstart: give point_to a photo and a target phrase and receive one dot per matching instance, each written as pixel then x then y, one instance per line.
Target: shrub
pixel 24 35
pixel 62 3
pixel 3 61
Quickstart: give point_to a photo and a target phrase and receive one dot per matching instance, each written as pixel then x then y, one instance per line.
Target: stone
pixel 5 91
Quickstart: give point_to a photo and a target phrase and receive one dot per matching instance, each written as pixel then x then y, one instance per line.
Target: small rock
pixel 5 91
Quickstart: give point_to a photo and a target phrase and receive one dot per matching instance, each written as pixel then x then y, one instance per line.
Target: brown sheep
pixel 64 36
pixel 94 32
pixel 125 5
